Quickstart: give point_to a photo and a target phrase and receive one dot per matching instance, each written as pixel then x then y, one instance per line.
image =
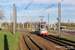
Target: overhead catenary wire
pixel 43 10
pixel 28 13
pixel 28 5
pixel 49 6
pixel 39 13
pixel 52 5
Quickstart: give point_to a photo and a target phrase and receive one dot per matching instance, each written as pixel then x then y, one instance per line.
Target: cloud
pixel 17 2
pixel 38 12
pixel 46 1
pixel 67 8
pixel 68 2
pixel 21 2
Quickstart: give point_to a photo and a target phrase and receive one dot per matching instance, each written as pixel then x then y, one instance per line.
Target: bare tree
pixel 1 13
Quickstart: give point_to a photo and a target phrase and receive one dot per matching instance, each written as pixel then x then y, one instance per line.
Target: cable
pixel 39 13
pixel 28 13
pixel 49 7
pixel 28 5
pixel 52 5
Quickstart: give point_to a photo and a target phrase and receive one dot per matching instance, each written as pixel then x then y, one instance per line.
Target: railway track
pixel 30 46
pixel 68 41
pixel 62 42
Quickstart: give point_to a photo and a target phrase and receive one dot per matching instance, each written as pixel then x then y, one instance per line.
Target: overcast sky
pixel 67 10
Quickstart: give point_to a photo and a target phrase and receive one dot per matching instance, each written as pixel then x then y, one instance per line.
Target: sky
pixel 36 8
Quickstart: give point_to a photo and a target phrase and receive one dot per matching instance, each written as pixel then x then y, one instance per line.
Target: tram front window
pixel 43 26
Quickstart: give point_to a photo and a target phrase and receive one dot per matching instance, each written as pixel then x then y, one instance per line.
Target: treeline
pixel 67 24
pixel 18 25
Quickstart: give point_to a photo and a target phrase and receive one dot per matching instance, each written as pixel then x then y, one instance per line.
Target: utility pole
pixel 27 24
pixel 59 19
pixel 16 19
pixel 23 23
pixel 14 22
pixel 6 23
pixel 48 21
pixel 9 25
pixel 68 22
pixel 18 25
pixel 12 19
pixel 10 22
pixel 30 23
pixel 0 24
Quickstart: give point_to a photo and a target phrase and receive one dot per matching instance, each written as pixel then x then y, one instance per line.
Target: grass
pixel 65 38
pixel 52 31
pixel 12 40
pixel 71 28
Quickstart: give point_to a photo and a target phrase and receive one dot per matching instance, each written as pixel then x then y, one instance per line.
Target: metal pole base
pixel 0 29
pixel 13 33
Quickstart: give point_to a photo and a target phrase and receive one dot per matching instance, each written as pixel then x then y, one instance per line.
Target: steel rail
pixel 63 39
pixel 65 46
pixel 30 48
pixel 60 41
pixel 41 48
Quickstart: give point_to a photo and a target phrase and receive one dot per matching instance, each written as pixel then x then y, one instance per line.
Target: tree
pixel 67 24
pixel 1 13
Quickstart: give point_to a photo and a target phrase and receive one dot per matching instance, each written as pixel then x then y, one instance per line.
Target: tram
pixel 42 28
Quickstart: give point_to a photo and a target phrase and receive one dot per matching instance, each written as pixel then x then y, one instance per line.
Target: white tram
pixel 42 28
